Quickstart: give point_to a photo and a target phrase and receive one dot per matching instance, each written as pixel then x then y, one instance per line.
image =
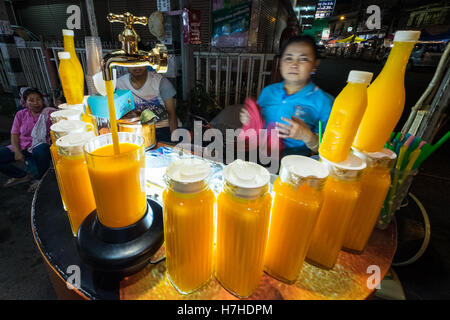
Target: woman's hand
pixel 298 130
pixel 18 156
pixel 244 116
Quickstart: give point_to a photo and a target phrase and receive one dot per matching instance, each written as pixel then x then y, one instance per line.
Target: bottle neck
pixel 398 59
pixel 69 44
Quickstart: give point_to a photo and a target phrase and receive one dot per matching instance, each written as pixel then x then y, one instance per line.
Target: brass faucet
pixel 129 55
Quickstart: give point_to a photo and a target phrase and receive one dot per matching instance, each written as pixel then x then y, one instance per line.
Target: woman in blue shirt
pixel 295 105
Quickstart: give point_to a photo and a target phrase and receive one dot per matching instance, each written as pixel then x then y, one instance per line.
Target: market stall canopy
pixel 444 36
pixel 352 38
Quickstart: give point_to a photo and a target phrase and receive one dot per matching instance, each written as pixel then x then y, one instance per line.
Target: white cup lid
pixel 66 114
pixel 407 36
pixel 304 167
pixel 67 32
pixel 68 126
pixel 73 142
pixel 79 106
pixel 64 55
pixel 360 76
pixel 188 175
pixel 249 178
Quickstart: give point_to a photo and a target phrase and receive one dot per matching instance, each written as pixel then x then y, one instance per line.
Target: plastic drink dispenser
pixel 243 214
pixel 188 210
pixel 341 193
pixel 297 202
pixel 72 85
pixel 346 114
pixel 386 96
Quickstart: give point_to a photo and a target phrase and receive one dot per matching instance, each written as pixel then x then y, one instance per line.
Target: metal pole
pixel 91 17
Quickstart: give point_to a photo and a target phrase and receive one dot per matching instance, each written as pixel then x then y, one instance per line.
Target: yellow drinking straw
pixel 112 116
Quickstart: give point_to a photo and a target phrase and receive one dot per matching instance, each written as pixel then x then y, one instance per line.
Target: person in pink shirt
pixel 30 142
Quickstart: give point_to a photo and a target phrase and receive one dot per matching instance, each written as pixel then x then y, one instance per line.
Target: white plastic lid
pixel 68 126
pixel 67 32
pixel 349 168
pixel 72 144
pixel 360 76
pixel 298 170
pixel 79 106
pixel 249 178
pixel 304 167
pixel 68 114
pixel 407 36
pixel 64 55
pixel 385 158
pixel 188 175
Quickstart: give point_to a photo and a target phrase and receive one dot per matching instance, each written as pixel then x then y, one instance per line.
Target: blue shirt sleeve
pixel 325 110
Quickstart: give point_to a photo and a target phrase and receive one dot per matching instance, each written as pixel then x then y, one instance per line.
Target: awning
pixel 352 38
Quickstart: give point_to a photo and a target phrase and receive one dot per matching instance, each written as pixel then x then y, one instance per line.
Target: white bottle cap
pixel 67 32
pixel 67 114
pixel 188 175
pixel 407 36
pixel 64 55
pixel 72 143
pixel 79 107
pixel 249 180
pixel 297 170
pixel 360 76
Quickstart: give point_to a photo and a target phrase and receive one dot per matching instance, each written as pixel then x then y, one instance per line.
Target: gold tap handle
pixel 127 19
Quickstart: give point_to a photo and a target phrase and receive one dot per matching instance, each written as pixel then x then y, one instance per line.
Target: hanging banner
pixel 191 26
pixel 231 22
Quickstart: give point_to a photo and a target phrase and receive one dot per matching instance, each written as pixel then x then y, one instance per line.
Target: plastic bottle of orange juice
pixel 69 46
pixel 346 114
pixel 386 96
pixel 72 86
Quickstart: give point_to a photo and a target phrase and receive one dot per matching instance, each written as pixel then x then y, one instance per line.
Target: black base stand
pixel 121 251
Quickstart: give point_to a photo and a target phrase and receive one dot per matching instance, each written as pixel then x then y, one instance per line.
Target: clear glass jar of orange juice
pixel 118 179
pixel 243 214
pixel 188 210
pixel 296 205
pixel 74 177
pixel 375 184
pixel 61 128
pixel 341 193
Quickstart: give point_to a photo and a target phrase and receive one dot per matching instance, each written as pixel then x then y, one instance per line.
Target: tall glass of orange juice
pixel 341 193
pixel 63 123
pixel 74 177
pixel 375 184
pixel 243 215
pixel 188 210
pixel 118 180
pixel 296 205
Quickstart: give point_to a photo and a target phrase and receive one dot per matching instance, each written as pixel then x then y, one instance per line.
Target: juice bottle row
pixel 315 209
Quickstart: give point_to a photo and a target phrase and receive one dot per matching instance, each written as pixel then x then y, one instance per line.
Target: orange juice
pixel 243 214
pixel 386 96
pixel 346 114
pixel 71 85
pixel 375 184
pixel 62 127
pixel 117 180
pixel 74 178
pixel 188 210
pixel 295 209
pixel 341 193
pixel 77 73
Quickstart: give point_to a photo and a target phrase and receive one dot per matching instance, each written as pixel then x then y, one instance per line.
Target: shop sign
pixel 191 26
